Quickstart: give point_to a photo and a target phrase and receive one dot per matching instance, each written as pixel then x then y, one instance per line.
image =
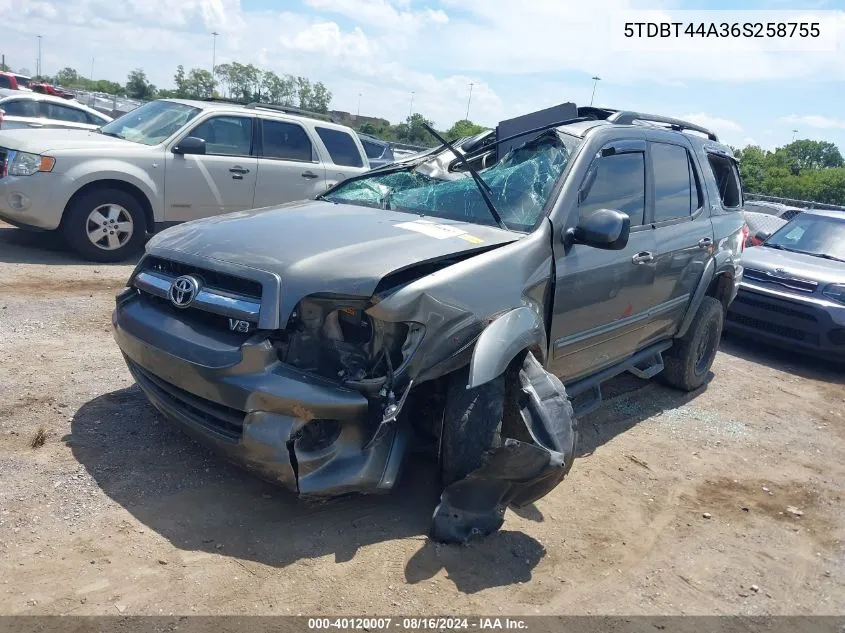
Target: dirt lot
pixel 117 512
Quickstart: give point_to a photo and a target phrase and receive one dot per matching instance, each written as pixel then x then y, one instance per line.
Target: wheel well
pixel 720 288
pixel 131 189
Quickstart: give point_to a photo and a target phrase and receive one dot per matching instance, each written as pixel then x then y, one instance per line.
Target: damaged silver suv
pixel 461 301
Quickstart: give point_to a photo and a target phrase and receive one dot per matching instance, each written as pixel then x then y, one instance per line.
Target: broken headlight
pixel 337 339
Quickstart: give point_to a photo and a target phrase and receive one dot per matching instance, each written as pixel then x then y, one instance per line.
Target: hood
pixel 323 247
pixel 51 139
pixel 799 265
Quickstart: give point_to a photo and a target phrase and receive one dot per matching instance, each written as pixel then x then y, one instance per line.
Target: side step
pixel 649 367
pixel 587 401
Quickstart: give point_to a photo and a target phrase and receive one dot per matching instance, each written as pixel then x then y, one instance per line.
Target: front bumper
pixel 238 398
pixel 802 323
pixel 33 201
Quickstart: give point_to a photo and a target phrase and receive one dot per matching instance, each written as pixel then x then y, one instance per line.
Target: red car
pixel 13 81
pixel 48 89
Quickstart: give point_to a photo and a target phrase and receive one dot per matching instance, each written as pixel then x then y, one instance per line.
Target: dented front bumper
pixel 238 398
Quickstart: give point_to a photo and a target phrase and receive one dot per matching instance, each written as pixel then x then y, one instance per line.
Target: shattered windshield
pixel 520 184
pixel 152 122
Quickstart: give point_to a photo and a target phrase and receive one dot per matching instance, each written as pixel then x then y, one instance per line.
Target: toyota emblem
pixel 183 291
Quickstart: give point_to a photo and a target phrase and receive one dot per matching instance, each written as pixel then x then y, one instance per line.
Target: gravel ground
pixel 726 501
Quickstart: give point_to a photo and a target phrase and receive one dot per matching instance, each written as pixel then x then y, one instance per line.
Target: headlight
pixel 835 292
pixel 26 164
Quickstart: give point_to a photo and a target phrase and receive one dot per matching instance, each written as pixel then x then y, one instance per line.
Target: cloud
pixel 716 124
pixel 381 14
pixel 815 120
pixel 326 39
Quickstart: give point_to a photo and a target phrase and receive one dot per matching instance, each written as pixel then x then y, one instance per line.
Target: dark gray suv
pixel 433 305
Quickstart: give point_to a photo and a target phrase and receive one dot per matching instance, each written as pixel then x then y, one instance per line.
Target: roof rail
pixel 625 117
pixel 289 110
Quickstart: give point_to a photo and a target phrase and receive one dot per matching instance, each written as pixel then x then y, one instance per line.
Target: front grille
pixel 775 307
pixel 211 278
pixel 217 418
pixel 762 276
pixel 773 328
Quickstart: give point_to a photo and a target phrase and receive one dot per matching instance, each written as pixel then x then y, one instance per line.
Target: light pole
pixel 38 61
pixel 92 69
pixel 596 80
pixel 411 108
pixel 469 99
pixel 214 35
pixel 358 113
pixel 794 132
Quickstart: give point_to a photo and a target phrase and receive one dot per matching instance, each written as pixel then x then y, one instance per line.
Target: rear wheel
pixel 105 225
pixel 688 362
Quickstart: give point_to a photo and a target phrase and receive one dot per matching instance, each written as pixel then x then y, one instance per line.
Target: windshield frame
pixel 573 145
pixel 194 112
pixel 803 217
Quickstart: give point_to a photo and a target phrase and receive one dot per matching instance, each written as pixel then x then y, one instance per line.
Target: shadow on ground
pixel 200 503
pixel 19 246
pixel 791 362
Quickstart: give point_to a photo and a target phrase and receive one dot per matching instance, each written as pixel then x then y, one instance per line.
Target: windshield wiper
pixel 114 134
pixel 777 246
pixel 483 187
pixel 826 256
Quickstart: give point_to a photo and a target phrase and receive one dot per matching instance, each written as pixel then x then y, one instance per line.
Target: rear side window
pixel 21 107
pixel 373 150
pixel 287 141
pixel 676 191
pixel 341 147
pixel 93 119
pixel 727 178
pixel 615 182
pixel 225 135
pixel 64 113
pixel 5 82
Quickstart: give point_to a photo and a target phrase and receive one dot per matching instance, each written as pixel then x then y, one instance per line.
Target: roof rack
pixel 289 110
pixel 624 117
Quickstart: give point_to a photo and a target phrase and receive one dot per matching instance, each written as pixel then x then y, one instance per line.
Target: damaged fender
pixel 520 329
pixel 518 471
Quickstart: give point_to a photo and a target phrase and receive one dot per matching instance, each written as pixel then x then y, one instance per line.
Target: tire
pixel 472 425
pixel 114 208
pixel 687 363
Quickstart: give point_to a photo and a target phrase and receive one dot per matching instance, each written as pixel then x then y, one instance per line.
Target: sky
pixel 519 56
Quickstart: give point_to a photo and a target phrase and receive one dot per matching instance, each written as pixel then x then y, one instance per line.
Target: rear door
pixel 602 298
pixel 65 116
pixel 289 167
pixel 345 154
pixel 222 180
pixel 684 234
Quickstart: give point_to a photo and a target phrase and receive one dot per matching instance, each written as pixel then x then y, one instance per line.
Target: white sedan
pixel 20 109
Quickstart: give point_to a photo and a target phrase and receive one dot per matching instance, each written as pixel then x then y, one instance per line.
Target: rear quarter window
pixel 727 180
pixel 341 146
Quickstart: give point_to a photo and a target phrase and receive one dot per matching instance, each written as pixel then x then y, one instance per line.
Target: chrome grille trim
pixel 207 299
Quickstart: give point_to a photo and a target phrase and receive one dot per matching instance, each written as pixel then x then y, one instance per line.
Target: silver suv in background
pixel 168 161
pixel 35 110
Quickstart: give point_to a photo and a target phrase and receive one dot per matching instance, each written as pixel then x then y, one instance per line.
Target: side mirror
pixel 606 229
pixel 762 236
pixel 190 145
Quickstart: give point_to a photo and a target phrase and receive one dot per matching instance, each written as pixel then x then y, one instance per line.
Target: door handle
pixel 237 169
pixel 705 242
pixel 309 174
pixel 643 258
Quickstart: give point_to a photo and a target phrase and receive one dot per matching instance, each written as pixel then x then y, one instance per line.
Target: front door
pixel 602 298
pixel 684 235
pixel 222 180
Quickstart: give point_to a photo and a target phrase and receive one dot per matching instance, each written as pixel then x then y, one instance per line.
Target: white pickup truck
pixel 168 161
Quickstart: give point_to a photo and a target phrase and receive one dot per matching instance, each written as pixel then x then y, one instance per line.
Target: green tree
pixel 66 77
pixel 4 67
pixel 304 91
pixel 181 82
pixel 320 98
pixel 464 127
pixel 222 73
pixel 412 130
pixel 137 86
pixel 199 84
pixel 806 154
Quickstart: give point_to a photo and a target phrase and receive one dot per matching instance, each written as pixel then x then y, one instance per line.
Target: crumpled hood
pixel 824 271
pixel 39 141
pixel 322 247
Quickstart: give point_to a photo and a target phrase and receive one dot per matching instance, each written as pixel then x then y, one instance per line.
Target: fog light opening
pixel 316 436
